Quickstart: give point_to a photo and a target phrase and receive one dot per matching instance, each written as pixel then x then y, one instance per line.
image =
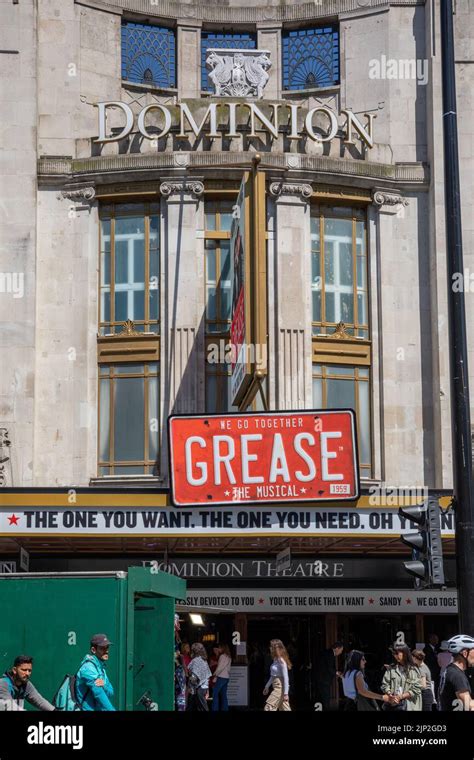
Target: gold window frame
pixel 146 463
pixel 322 211
pixel 151 327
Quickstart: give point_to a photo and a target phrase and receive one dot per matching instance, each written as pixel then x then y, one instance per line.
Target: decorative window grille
pixel 148 54
pixel 310 58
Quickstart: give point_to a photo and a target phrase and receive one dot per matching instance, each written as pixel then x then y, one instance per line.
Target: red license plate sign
pixel 268 457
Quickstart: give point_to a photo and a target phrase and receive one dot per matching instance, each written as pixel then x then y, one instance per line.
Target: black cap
pixel 100 640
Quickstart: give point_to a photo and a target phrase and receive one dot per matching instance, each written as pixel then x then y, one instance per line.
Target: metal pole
pixel 460 411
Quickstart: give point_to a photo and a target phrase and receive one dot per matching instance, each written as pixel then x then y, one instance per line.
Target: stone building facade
pixel 62 195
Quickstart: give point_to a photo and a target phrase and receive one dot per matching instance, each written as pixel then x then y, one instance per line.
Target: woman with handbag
pixel 402 681
pixel 198 682
pixel 426 683
pixel 358 694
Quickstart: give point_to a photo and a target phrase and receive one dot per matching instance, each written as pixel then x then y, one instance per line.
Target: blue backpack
pixel 65 698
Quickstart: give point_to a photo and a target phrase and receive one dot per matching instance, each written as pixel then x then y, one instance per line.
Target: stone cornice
pixel 244 15
pixel 87 170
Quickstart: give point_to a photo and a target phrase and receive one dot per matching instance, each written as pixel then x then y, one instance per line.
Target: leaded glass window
pixel 347 387
pixel 310 58
pixel 148 54
pixel 339 276
pixel 129 267
pixel 129 414
pixel 223 40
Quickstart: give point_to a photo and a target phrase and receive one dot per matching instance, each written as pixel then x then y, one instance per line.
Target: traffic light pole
pixel 460 411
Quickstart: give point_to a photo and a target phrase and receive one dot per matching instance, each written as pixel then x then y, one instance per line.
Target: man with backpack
pixel 15 687
pixel 93 688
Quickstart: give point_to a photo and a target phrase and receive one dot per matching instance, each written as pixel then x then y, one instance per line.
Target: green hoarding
pixel 52 616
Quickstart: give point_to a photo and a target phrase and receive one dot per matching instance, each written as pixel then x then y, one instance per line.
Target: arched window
pixel 148 54
pixel 310 58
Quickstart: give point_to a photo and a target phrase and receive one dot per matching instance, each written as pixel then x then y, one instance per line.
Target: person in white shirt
pixel 198 681
pixel 354 685
pixel 279 681
pixel 221 679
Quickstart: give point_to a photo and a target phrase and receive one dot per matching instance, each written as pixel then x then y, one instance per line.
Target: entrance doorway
pixel 304 637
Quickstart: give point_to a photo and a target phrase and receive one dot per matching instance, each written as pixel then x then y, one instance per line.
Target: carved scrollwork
pixel 79 194
pixel 291 188
pixel 194 187
pixel 5 461
pixel 382 198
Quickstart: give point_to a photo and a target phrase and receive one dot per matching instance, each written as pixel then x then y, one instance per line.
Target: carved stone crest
pixel 238 73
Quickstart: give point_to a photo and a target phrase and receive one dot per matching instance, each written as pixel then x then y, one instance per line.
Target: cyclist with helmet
pixel 455 689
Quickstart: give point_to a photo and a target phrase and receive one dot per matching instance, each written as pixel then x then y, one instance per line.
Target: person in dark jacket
pixel 326 672
pixel 16 687
pixel 431 651
pixel 93 688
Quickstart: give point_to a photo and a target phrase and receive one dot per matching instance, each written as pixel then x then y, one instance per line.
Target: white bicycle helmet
pixel 457 643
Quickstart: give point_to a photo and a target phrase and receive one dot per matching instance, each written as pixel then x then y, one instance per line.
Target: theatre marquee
pixel 263 457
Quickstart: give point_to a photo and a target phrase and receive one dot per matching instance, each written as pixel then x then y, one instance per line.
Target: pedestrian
pixel 93 688
pixel 279 680
pixel 180 673
pixel 427 698
pixel 198 682
pixel 221 679
pixel 326 673
pixel 431 651
pixel 402 681
pixel 455 688
pixel 358 695
pixel 444 658
pixel 186 654
pixel 16 687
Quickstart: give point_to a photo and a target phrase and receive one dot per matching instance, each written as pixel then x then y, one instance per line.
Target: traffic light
pixel 427 562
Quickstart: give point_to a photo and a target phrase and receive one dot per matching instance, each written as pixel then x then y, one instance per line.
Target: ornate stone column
pixel 290 271
pixel 183 307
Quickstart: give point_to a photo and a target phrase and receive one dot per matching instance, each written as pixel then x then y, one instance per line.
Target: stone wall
pixel 68 59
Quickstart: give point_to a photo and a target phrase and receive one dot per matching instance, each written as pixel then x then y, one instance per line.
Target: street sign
pixel 263 457
pixel 24 560
pixel 283 560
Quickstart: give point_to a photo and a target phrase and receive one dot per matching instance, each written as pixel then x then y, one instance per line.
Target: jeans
pixel 219 694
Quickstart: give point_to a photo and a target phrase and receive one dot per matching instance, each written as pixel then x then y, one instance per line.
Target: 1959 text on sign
pixel 263 457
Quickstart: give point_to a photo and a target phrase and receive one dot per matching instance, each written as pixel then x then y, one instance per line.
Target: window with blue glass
pixel 310 58
pixel 148 54
pixel 227 40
